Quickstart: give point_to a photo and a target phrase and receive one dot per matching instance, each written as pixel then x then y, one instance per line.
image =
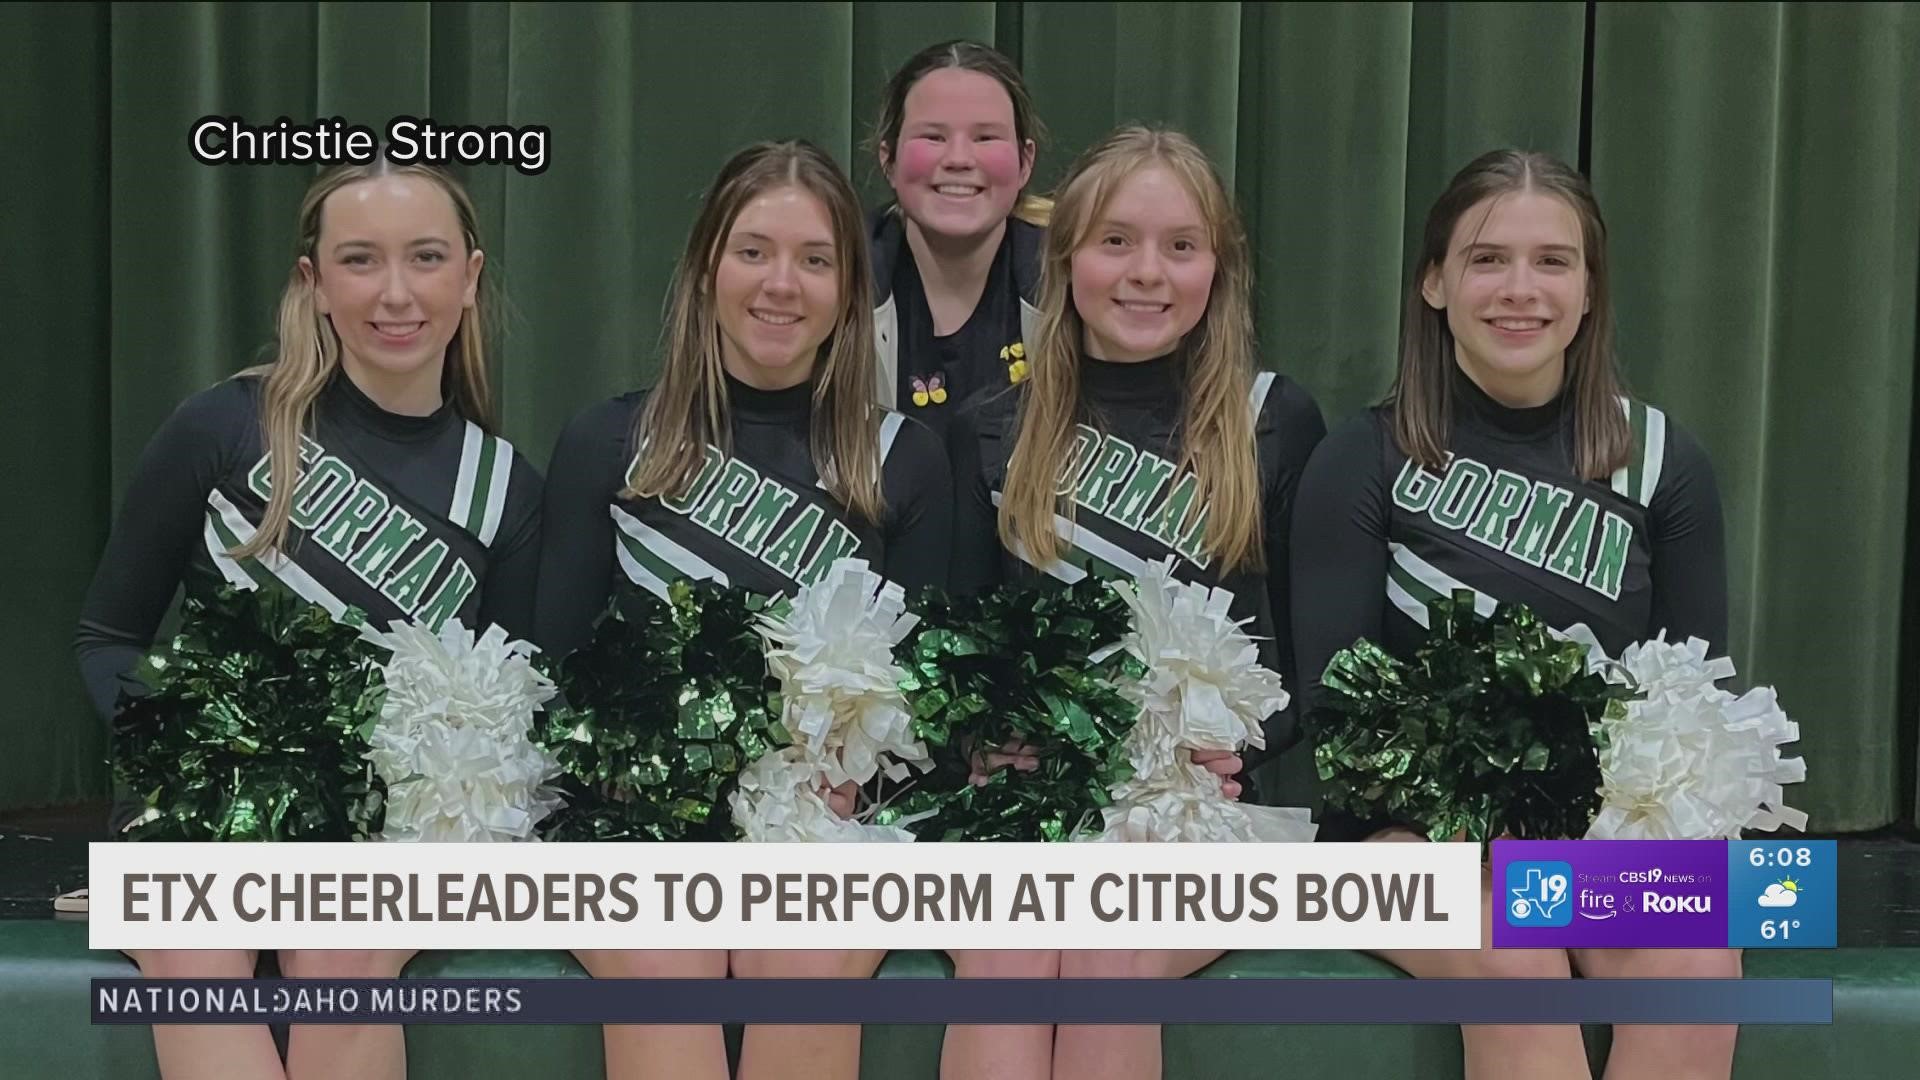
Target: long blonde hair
pixel 1215 361
pixel 308 348
pixel 687 410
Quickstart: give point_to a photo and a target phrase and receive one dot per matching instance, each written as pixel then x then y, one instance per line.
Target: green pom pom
pixel 1492 729
pixel 254 725
pixel 1016 663
pixel 659 713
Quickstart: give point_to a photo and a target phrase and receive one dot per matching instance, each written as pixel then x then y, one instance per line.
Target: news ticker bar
pixel 963 1001
pixel 1545 894
pixel 1767 894
pixel 784 896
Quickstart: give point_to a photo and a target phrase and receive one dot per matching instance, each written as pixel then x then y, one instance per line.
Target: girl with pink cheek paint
pixel 956 265
pixel 956 257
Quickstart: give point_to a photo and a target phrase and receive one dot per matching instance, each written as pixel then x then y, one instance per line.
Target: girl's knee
pixel 345 963
pixel 653 963
pixel 806 963
pixel 1134 963
pixel 1006 964
pixel 1660 963
pixel 194 963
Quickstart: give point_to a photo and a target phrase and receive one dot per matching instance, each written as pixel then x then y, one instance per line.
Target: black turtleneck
pixel 756 518
pixel 935 373
pixel 1628 555
pixel 398 517
pixel 1145 384
pixel 792 406
pixel 1126 471
pixel 1525 423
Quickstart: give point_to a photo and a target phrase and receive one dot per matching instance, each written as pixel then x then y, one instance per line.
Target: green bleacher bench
pixel 45 967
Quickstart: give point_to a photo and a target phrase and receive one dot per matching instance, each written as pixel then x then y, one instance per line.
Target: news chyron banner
pixel 774 896
pixel 1716 894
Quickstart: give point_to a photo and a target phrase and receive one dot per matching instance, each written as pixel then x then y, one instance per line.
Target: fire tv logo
pixel 1537 894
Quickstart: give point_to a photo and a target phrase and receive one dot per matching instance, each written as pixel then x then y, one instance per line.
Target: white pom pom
pixel 1204 683
pixel 1186 806
pixel 832 651
pixel 1691 761
pixel 778 800
pixel 1204 689
pixel 453 737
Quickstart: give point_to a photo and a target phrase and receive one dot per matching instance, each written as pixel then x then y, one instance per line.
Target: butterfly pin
pixel 1015 357
pixel 929 390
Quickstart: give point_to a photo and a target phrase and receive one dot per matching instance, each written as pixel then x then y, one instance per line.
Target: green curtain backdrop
pixel 1756 163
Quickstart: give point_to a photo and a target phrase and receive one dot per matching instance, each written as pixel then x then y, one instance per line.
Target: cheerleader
pixel 956 258
pixel 1145 430
pixel 361 469
pixel 757 460
pixel 1508 461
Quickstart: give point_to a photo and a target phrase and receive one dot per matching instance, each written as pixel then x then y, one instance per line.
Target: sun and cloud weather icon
pixel 1782 893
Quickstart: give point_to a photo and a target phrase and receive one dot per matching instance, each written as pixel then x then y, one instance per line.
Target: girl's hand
pixel 1224 764
pixel 1013 753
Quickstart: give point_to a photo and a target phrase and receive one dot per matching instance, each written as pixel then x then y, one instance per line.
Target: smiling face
pixel 776 288
pixel 1144 271
pixel 1514 288
pixel 958 166
pixel 392 273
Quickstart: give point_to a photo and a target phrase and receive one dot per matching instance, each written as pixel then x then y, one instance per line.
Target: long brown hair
pixel 965 56
pixel 687 410
pixel 308 348
pixel 1216 360
pixel 1422 394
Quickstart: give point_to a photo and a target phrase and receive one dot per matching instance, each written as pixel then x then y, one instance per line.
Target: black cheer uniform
pixel 928 376
pixel 757 518
pixel 1129 504
pixel 1376 536
pixel 426 518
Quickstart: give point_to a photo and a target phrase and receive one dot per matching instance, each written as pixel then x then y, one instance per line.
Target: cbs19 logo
pixel 1538 894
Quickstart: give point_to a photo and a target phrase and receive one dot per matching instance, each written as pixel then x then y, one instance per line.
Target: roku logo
pixel 1653 901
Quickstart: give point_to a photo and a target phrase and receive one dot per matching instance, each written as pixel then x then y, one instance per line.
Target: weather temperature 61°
pixel 1780 894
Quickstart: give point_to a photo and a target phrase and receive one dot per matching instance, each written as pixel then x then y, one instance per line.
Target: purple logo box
pixel 1622 894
